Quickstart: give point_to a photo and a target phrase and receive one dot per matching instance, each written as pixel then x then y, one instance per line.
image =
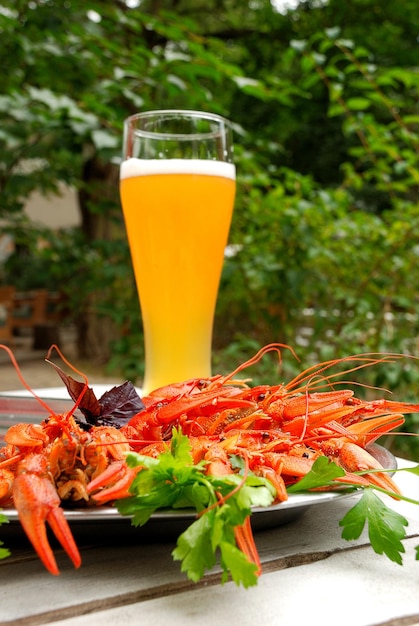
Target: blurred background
pixel 324 244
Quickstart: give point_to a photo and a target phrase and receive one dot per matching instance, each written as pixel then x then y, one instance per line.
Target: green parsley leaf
pixel 412 470
pixel 222 503
pixel 233 560
pixel 197 545
pixel 386 528
pixel 194 548
pixel 322 473
pixel 4 552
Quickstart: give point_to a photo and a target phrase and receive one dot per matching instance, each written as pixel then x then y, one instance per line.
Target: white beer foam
pixel 147 167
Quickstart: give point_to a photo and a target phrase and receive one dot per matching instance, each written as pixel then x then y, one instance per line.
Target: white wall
pixel 54 211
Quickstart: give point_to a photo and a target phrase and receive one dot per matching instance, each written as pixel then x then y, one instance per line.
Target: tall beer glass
pixel 177 192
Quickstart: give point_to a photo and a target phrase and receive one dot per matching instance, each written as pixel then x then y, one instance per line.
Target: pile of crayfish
pixel 279 431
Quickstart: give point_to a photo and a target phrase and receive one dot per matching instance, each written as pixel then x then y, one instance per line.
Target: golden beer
pixel 177 214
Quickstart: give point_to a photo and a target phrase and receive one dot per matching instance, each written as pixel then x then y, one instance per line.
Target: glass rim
pixel 223 122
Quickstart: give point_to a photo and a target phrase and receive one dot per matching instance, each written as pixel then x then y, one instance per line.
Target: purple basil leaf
pixel 89 403
pixel 119 405
pixel 115 408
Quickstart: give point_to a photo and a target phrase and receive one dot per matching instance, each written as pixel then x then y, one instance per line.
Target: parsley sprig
pixel 386 527
pixel 173 481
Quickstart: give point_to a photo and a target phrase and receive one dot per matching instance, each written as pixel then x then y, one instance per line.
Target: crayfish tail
pixel 113 483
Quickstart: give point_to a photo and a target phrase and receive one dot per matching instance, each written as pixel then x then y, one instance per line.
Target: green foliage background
pixel 324 100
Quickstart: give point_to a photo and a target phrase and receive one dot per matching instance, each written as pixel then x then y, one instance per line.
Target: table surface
pixel 310 575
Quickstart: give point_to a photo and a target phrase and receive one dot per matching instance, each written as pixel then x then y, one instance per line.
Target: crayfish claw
pixel 37 502
pixel 62 532
pixel 354 458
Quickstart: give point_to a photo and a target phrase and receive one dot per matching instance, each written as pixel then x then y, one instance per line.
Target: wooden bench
pixel 7 294
pixel 29 308
pixel 38 311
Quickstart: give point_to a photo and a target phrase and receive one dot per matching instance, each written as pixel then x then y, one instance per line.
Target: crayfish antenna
pixel 22 380
pixel 37 502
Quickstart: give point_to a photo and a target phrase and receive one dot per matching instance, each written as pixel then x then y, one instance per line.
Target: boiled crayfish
pixel 279 431
pixel 44 465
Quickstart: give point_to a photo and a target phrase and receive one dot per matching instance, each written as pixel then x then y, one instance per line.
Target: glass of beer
pixel 177 186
